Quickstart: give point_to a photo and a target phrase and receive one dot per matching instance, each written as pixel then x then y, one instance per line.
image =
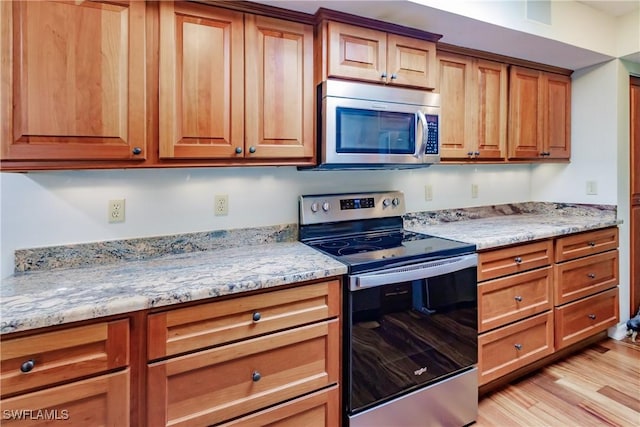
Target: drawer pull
pixel 518 260
pixel 518 298
pixel 592 316
pixel 256 376
pixel 28 365
pixel 592 244
pixel 518 347
pixel 592 275
pixel 256 316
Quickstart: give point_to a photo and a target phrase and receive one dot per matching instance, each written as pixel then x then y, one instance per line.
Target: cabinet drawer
pixel 505 300
pixel 318 409
pixel 512 347
pixel 227 381
pixel 583 318
pixel 193 328
pixel 514 259
pixel 98 401
pixel 63 355
pixel 585 276
pixel 583 244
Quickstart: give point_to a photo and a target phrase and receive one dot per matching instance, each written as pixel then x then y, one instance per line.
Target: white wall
pixel 57 208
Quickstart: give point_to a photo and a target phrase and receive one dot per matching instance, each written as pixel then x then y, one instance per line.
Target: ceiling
pixel 472 33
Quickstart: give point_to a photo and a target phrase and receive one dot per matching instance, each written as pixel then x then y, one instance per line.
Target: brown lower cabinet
pixel 537 298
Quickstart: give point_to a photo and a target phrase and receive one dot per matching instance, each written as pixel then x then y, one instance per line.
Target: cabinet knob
pixel 256 316
pixel 470 153
pixel 238 150
pixel 136 150
pixel 256 376
pixel 592 316
pixel 592 275
pixel 518 260
pixel 394 76
pixel 252 149
pixel 28 365
pixel 383 75
pixel 518 347
pixel 518 298
pixel 592 244
pixel 477 153
pixel 545 153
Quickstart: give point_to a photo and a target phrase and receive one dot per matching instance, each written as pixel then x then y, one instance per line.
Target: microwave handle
pixel 425 135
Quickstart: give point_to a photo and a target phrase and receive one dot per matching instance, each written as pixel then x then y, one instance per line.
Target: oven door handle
pixel 412 272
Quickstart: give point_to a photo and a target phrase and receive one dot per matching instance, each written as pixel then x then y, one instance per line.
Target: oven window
pixel 406 335
pixel 371 131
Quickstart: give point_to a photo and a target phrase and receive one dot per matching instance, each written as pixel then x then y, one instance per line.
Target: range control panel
pixel 321 208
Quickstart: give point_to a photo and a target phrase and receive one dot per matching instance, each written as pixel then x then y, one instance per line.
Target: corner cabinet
pixel 473 107
pixel 77 375
pixel 366 54
pixel 234 85
pixel 73 80
pixel 269 358
pixel 539 114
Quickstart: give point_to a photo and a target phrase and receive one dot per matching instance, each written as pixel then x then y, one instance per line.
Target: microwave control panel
pixel 432 134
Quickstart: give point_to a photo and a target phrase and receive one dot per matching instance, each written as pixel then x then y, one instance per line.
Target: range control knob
pixel 326 206
pixel 314 207
pixel 395 201
pixel 386 202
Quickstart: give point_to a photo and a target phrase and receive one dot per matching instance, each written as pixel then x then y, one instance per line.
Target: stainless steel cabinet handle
pixel 518 260
pixel 28 365
pixel 518 298
pixel 518 346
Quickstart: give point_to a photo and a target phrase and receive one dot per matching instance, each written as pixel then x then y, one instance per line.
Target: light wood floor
pixel 598 386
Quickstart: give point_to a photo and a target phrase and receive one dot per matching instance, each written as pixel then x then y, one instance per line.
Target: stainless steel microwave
pixel 372 126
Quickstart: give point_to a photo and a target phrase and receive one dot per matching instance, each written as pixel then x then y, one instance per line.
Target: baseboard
pixel 618 332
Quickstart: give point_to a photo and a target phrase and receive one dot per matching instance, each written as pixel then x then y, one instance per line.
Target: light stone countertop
pixel 46 298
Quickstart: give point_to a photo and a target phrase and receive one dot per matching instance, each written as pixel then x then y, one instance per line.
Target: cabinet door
pixel 99 401
pixel 279 88
pixel 458 113
pixel 74 73
pixel 558 116
pixel 526 130
pixel 201 98
pixel 491 96
pixel 356 52
pixel 411 62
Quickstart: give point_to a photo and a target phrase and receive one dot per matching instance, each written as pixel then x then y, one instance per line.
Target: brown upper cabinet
pixel 473 107
pixel 539 115
pixel 234 85
pixel 73 76
pixel 360 53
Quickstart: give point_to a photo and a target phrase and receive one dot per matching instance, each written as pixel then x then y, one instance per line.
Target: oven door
pixel 408 327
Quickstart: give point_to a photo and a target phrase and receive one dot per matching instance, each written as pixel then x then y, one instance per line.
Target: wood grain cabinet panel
pixel 539 114
pixel 60 356
pixel 585 317
pixel 584 244
pixel 514 259
pixel 585 276
pixel 74 73
pixel 511 298
pixel 98 401
pixel 192 328
pixel 214 385
pixel 514 346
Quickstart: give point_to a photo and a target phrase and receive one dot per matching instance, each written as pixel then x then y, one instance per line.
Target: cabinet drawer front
pixel 515 259
pixel 222 383
pixel 505 300
pixel 512 347
pixel 583 244
pixel 193 328
pixel 321 408
pixel 63 355
pixel 99 401
pixel 585 276
pixel 583 318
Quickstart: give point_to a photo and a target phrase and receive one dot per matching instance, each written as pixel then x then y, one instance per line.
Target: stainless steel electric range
pixel 409 313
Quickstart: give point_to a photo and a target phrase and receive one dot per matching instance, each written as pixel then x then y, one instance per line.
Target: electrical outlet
pixel 221 204
pixel 116 210
pixel 474 191
pixel 428 192
pixel 592 187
